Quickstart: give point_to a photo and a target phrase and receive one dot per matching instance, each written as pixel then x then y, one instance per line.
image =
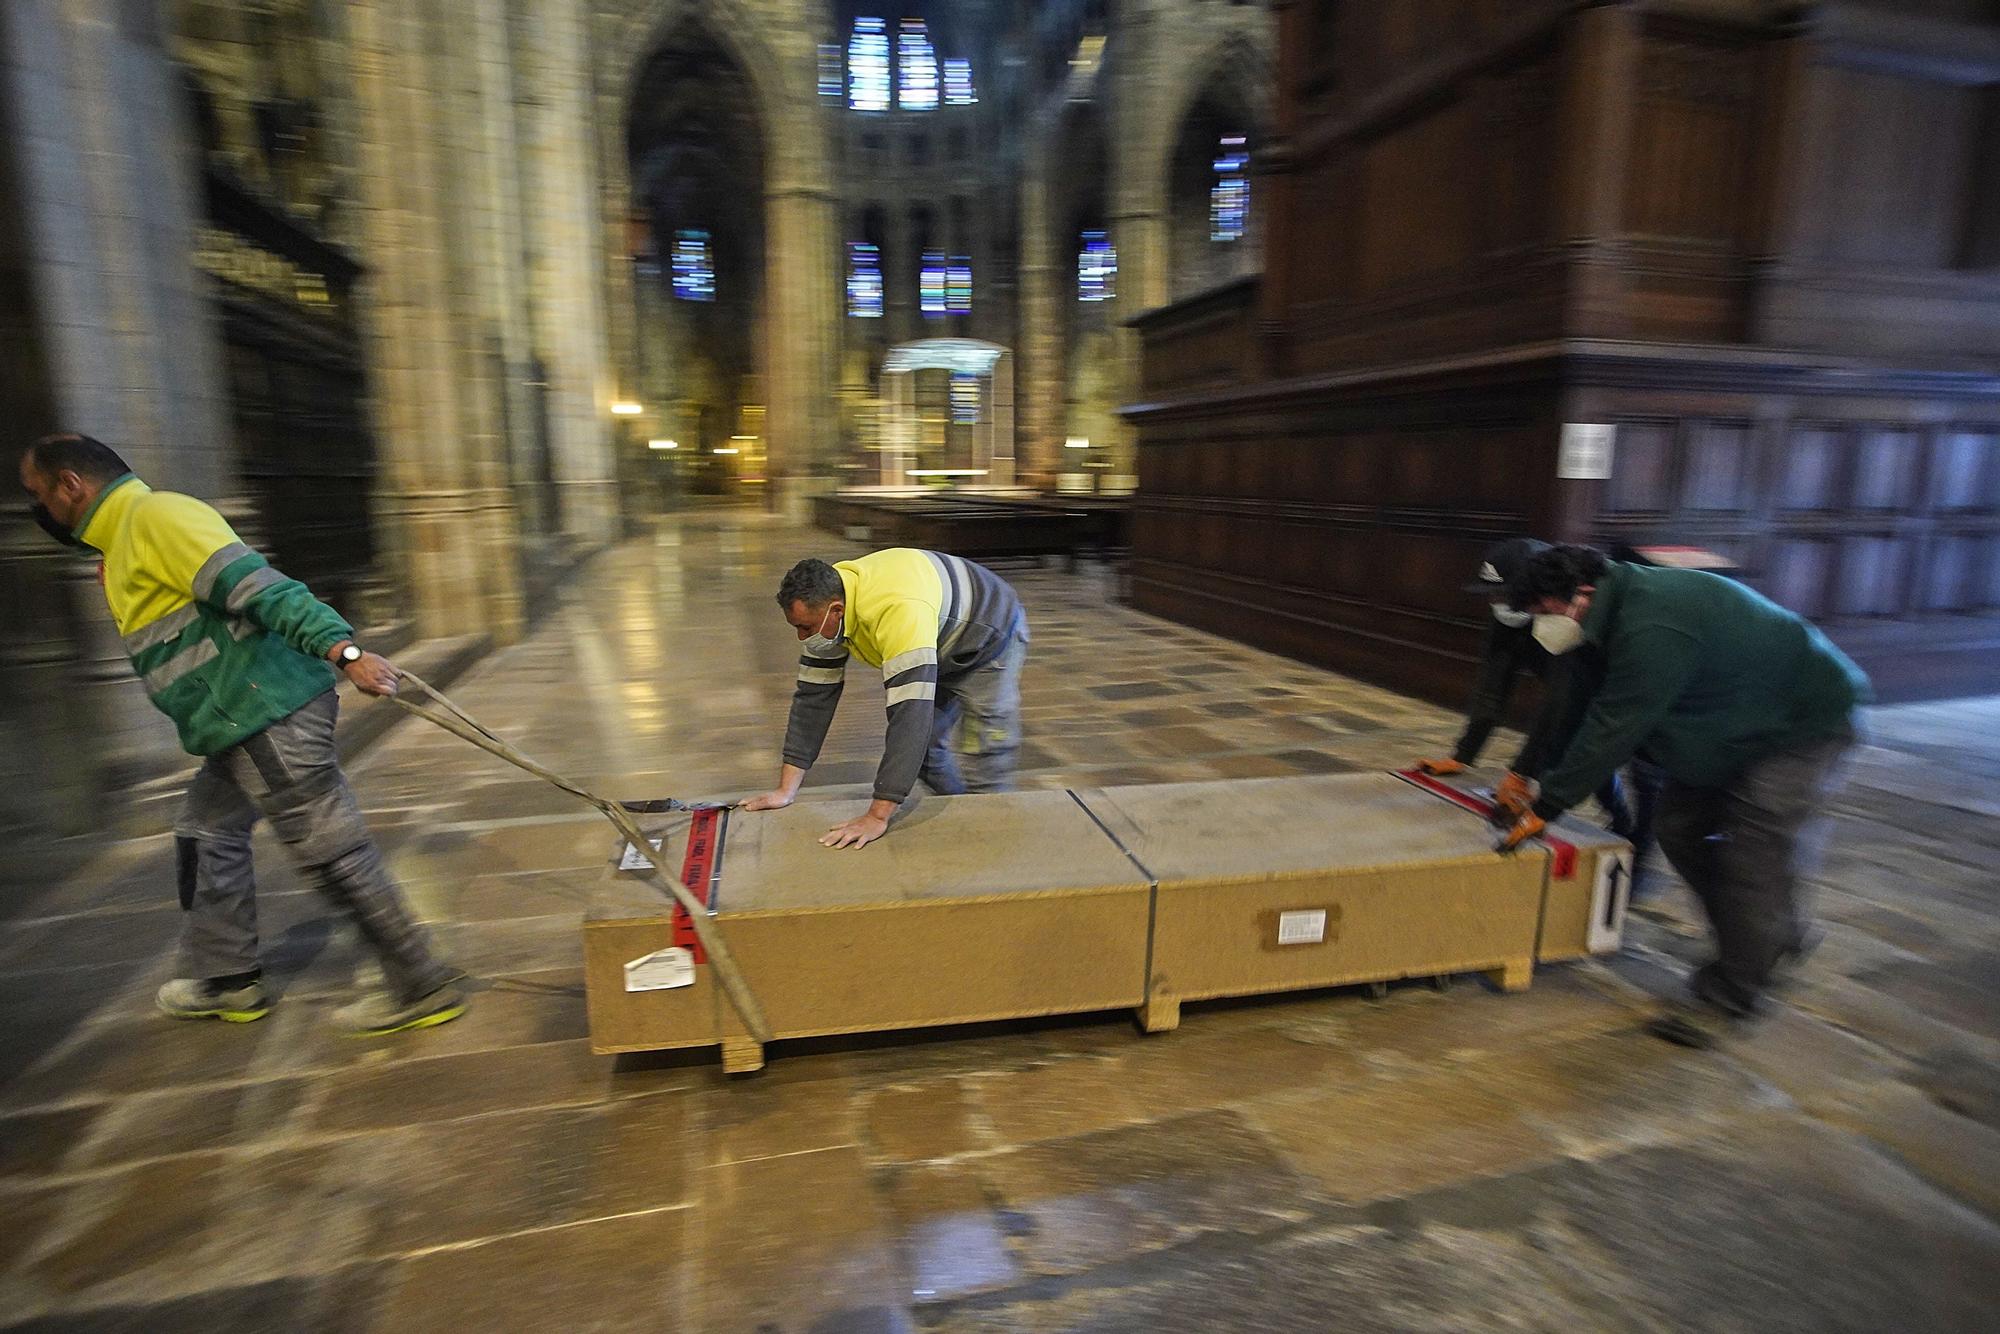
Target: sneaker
pixel 381 1014
pixel 199 998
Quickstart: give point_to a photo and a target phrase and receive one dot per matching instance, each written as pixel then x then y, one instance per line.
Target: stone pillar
pixel 504 258
pixel 800 321
pixel 567 248
pixel 104 170
pixel 429 494
pixel 1041 300
pixel 475 127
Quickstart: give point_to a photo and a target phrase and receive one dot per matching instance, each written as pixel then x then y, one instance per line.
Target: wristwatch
pixel 349 656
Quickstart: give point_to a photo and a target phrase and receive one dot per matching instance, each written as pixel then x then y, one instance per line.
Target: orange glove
pixel 1530 825
pixel 1514 794
pixel 1440 768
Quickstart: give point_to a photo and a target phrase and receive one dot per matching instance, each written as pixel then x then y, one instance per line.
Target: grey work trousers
pixel 290 773
pixel 1745 847
pixel 976 730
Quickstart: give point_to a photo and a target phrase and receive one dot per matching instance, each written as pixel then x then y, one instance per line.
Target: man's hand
pixel 856 833
pixel 1530 825
pixel 775 800
pixel 372 674
pixel 1513 795
pixel 1440 768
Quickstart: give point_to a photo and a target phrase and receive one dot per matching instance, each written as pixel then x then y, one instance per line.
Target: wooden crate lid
pixel 1261 827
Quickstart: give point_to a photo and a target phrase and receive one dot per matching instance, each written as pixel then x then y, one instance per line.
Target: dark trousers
pixel 289 773
pixel 1745 848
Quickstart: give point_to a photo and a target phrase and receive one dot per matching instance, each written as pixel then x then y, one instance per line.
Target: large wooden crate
pixel 972 909
pixel 1035 903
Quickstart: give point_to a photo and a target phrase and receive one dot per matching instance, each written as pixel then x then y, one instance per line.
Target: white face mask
pixel 1510 618
pixel 1558 633
pixel 819 644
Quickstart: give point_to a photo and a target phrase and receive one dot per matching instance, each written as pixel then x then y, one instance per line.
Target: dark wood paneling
pixel 1752 236
pixel 1889 171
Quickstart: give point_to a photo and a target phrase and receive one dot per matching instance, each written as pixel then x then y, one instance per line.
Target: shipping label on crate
pixel 662 970
pixel 1609 897
pixel 1306 926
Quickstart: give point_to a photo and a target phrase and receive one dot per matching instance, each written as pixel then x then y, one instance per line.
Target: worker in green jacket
pixel 243 660
pixel 1749 710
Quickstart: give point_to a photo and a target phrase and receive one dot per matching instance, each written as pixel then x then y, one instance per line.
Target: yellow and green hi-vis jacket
pixel 225 644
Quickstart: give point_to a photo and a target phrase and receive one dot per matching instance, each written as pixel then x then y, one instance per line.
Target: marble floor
pixel 1427 1161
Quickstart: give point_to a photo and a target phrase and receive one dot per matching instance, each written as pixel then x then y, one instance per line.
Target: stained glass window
pixel 694 267
pixel 931 283
pixel 964 398
pixel 1229 197
pixel 868 66
pixel 1096 268
pixel 919 88
pixel 864 281
pixel 958 285
pixel 829 70
pixel 958 83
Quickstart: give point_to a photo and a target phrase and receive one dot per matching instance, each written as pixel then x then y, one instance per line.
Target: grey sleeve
pixel 813 703
pixel 912 682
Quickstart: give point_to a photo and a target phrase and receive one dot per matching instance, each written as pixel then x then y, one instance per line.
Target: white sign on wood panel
pixel 1586 451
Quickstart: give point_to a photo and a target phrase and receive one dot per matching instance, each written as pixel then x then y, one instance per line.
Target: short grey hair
pixel 813 582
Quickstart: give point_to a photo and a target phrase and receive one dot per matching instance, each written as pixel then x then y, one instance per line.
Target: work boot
pixel 1693 1024
pixel 1715 1009
pixel 1786 970
pixel 381 1013
pixel 201 998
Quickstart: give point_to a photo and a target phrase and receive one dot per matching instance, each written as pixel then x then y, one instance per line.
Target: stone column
pixel 104 169
pixel 800 320
pixel 475 129
pixel 1041 300
pixel 432 507
pixel 566 247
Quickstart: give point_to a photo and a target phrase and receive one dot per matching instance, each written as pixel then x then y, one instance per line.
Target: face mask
pixel 819 644
pixel 54 527
pixel 1558 634
pixel 1510 618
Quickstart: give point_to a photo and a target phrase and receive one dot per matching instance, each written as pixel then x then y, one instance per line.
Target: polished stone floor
pixel 1428 1161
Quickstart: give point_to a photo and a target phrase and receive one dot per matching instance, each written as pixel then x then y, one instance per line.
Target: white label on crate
pixel 1586 451
pixel 1608 899
pixel 632 861
pixel 1307 926
pixel 662 970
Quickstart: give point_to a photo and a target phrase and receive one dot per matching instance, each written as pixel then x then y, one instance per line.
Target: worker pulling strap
pixel 463 725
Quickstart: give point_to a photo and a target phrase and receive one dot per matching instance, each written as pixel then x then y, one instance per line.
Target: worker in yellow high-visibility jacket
pixel 242 659
pixel 949 638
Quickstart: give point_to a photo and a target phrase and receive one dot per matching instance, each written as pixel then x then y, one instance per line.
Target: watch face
pixel 352 653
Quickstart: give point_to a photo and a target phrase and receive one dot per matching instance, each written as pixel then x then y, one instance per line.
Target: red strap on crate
pixel 700 869
pixel 1562 853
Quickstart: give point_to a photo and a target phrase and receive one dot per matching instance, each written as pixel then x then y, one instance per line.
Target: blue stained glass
pixel 1229 197
pixel 958 285
pixel 919 89
pixel 694 267
pixel 829 70
pixel 931 283
pixel 864 281
pixel 958 90
pixel 868 66
pixel 1096 268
